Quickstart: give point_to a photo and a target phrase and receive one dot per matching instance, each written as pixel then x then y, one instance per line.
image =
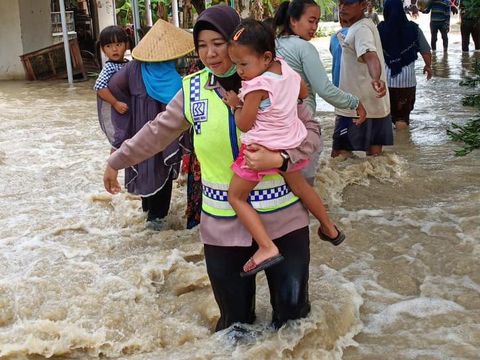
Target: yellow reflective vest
pixel 217 141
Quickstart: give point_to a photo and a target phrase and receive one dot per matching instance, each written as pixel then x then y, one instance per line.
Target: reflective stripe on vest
pixel 216 141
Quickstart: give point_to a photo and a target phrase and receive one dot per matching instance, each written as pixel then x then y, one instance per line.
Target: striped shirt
pixel 440 10
pixel 109 69
pixel 406 78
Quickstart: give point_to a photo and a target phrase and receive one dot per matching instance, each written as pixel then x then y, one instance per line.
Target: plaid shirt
pixel 106 74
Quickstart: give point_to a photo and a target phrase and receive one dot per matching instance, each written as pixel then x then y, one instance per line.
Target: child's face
pixel 307 25
pixel 115 51
pixel 351 11
pixel 249 63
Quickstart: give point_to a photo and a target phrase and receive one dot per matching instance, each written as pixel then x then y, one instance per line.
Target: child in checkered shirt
pixel 113 42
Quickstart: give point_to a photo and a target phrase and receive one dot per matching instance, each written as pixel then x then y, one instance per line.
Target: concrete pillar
pixel 106 13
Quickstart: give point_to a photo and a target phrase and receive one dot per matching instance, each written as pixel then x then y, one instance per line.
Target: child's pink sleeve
pixel 258 83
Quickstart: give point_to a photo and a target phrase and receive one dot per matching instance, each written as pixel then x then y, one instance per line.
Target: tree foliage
pixel 259 9
pixel 469 134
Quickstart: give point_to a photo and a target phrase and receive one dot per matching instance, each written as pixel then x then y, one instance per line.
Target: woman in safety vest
pixel 227 244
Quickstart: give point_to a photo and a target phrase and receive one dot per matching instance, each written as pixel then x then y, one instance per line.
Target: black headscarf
pixel 222 19
pixel 399 37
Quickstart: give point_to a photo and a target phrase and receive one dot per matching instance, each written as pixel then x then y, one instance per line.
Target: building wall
pixel 10 41
pixel 35 21
pixel 25 26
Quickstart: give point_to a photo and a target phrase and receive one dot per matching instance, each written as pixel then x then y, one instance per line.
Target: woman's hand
pixel 362 114
pixel 110 180
pixel 427 69
pixel 258 157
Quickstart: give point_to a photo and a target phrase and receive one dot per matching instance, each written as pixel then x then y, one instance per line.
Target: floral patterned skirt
pixel 191 166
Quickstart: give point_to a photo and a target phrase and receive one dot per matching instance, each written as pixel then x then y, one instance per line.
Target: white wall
pixel 35 21
pixel 25 26
pixel 10 41
pixel 106 13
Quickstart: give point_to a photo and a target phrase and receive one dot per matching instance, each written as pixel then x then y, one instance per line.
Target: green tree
pixel 160 9
pixel 469 134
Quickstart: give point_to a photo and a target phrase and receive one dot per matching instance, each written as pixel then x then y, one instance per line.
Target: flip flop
pixel 335 241
pixel 262 266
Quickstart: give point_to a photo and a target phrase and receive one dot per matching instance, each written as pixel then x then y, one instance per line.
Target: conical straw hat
pixel 163 42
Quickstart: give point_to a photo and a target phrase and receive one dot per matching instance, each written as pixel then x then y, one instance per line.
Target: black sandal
pixel 335 241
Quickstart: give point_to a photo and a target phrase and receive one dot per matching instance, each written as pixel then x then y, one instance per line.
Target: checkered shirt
pixel 106 74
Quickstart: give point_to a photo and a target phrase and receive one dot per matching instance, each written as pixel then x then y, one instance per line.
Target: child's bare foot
pixel 262 259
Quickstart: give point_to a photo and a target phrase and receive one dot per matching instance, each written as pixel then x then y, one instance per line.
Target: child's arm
pixel 106 95
pixel 375 70
pixel 303 90
pixel 101 86
pixel 246 114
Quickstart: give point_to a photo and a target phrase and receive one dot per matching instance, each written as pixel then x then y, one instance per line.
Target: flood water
pixel 81 277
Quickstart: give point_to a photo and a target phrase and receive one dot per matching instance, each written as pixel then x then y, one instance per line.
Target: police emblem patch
pixel 199 110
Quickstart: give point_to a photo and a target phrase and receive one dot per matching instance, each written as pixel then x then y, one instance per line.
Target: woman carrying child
pixel 227 244
pixel 147 84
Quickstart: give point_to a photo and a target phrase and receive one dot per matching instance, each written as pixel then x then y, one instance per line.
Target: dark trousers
pixel 470 27
pixel 287 281
pixel 402 101
pixel 157 205
pixel 443 27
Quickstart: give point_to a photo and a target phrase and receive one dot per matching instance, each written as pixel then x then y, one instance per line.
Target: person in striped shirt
pixel 402 40
pixel 440 20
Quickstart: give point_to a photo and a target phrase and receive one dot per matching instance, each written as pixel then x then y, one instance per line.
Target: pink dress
pixel 278 126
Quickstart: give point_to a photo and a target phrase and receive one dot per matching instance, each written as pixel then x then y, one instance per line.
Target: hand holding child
pixel 120 107
pixel 258 157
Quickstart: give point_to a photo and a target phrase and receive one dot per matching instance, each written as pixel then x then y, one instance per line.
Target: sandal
pixel 335 241
pixel 253 268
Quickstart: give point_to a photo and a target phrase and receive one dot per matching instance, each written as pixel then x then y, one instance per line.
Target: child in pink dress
pixel 266 112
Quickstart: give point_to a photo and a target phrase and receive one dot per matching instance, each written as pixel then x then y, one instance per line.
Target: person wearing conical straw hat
pixel 227 244
pixel 147 84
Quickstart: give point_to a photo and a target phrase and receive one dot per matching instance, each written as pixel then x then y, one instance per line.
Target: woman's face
pixel 213 51
pixel 307 25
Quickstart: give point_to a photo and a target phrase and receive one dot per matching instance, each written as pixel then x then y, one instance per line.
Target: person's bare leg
pixel 401 125
pixel 237 197
pixel 374 150
pixel 312 201
pixel 344 153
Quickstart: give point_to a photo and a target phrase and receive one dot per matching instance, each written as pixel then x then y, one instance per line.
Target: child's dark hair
pixel 290 10
pixel 113 34
pixel 254 34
